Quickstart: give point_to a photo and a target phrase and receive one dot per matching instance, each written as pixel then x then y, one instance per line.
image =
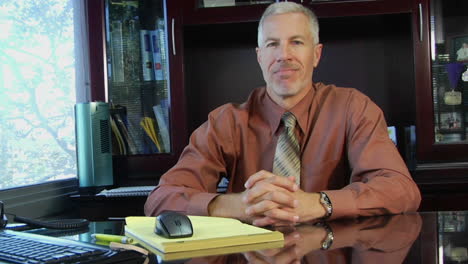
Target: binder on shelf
pixel 118 147
pixel 149 126
pixel 157 58
pixel 208 233
pixel 163 128
pixel 161 28
pixel 146 55
pixel 126 136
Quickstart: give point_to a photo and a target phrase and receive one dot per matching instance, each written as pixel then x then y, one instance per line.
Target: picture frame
pixel 458 46
pixel 451 121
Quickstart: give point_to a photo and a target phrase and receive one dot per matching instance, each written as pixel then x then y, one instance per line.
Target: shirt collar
pixel 272 113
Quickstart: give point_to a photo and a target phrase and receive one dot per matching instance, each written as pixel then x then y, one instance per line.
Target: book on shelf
pixel 127 191
pixel 118 143
pixel 146 55
pixel 149 126
pixel 161 29
pixel 163 128
pixel 157 58
pixel 125 134
pixel 210 234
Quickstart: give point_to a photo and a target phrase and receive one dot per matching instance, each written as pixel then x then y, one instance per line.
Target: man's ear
pixel 257 50
pixel 317 54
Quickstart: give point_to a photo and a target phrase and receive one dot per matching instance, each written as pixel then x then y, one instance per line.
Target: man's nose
pixel 284 52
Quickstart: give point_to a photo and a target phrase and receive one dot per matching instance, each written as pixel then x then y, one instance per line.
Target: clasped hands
pixel 270 199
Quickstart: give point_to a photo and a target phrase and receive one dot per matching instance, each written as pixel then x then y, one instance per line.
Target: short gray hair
pixel 289 7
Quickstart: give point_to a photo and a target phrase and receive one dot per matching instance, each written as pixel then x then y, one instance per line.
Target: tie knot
pixel 289 120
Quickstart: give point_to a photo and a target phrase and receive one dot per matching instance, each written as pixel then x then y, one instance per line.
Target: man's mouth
pixel 285 70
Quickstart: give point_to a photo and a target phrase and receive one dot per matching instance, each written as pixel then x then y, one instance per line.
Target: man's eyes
pixel 275 44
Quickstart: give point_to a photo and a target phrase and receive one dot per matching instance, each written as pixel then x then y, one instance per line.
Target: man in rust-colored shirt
pixel 349 166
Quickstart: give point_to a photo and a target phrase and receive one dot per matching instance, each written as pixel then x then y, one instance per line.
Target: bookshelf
pixel 137 77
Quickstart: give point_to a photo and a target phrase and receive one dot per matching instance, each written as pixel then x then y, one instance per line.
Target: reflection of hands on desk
pixel 384 239
pixel 298 241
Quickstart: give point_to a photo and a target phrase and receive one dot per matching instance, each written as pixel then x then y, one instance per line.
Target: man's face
pixel 288 56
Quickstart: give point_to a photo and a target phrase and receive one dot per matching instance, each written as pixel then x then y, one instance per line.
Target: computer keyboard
pixel 20 247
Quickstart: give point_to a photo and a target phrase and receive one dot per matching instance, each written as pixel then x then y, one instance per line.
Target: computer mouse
pixel 170 224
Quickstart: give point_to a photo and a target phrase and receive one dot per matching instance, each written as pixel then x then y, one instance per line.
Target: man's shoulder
pixel 228 109
pixel 339 92
pixel 238 109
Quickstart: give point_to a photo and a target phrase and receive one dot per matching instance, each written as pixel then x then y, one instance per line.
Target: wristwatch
pixel 326 203
pixel 328 241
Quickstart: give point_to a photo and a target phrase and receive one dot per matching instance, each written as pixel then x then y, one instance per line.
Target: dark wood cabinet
pixel 140 166
pixel 195 14
pixel 359 8
pixel 209 49
pixel 381 47
pixel 429 150
pixel 442 149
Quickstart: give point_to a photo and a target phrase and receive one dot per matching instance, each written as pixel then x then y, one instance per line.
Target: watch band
pixel 328 241
pixel 326 203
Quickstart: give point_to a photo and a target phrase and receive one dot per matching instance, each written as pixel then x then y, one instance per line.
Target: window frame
pixel 40 200
pixel 53 197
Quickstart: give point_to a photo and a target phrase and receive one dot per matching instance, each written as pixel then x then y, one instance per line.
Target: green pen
pixel 112 238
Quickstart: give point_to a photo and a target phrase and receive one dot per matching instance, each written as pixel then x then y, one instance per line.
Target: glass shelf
pixel 449 55
pixel 138 77
pixel 452 237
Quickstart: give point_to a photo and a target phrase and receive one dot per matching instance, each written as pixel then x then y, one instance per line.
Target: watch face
pixel 325 201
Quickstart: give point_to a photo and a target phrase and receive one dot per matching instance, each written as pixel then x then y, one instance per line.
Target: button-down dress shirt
pixel 345 151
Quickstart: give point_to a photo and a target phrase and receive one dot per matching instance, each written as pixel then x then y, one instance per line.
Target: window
pixel 42 76
pixel 38 76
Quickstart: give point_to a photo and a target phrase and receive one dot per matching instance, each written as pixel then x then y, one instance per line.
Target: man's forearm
pixel 310 207
pixel 228 205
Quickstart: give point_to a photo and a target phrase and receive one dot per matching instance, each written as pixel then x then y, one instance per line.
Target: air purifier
pixel 93 145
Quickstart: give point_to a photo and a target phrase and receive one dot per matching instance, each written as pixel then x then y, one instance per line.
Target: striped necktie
pixel 287 160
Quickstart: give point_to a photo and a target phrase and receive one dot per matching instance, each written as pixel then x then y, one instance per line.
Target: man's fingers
pixel 258 176
pixel 287 183
pixel 282 215
pixel 263 221
pixel 276 216
pixel 271 191
pixel 259 208
pixel 270 200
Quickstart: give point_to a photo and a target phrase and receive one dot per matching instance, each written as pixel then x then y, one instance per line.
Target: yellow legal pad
pixel 208 233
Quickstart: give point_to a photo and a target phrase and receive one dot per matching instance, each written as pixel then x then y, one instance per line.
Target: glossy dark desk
pixel 429 237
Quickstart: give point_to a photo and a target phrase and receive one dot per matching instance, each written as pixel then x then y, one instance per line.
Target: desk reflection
pixel 385 239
